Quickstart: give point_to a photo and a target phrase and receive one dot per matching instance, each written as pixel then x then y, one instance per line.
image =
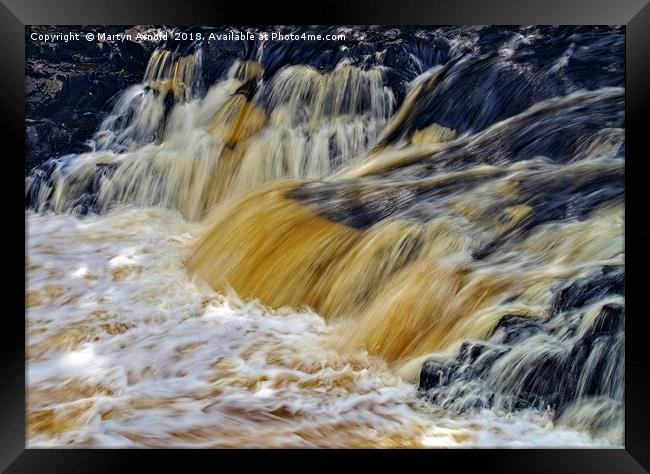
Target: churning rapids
pixel 410 238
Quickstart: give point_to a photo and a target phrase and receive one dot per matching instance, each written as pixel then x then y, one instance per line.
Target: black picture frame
pixel 634 14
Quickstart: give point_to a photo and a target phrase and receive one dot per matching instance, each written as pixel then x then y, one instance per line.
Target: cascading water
pixel 414 238
pixel 158 147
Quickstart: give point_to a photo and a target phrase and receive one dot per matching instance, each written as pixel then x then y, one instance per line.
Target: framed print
pixel 396 233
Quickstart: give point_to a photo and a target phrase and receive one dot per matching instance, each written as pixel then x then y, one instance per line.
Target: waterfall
pixel 445 206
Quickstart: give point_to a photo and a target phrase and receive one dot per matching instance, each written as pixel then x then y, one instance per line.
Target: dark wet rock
pixel 437 373
pixel 543 384
pixel 554 361
pixel 521 73
pixel 68 87
pixel 470 351
pixel 558 130
pixel 352 203
pixel 473 358
pixel 609 321
pixel 583 291
pixel 66 133
pixel 517 328
pixel 44 137
pixel 553 193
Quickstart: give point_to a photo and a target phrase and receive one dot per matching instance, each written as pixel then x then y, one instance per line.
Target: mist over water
pixel 413 238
